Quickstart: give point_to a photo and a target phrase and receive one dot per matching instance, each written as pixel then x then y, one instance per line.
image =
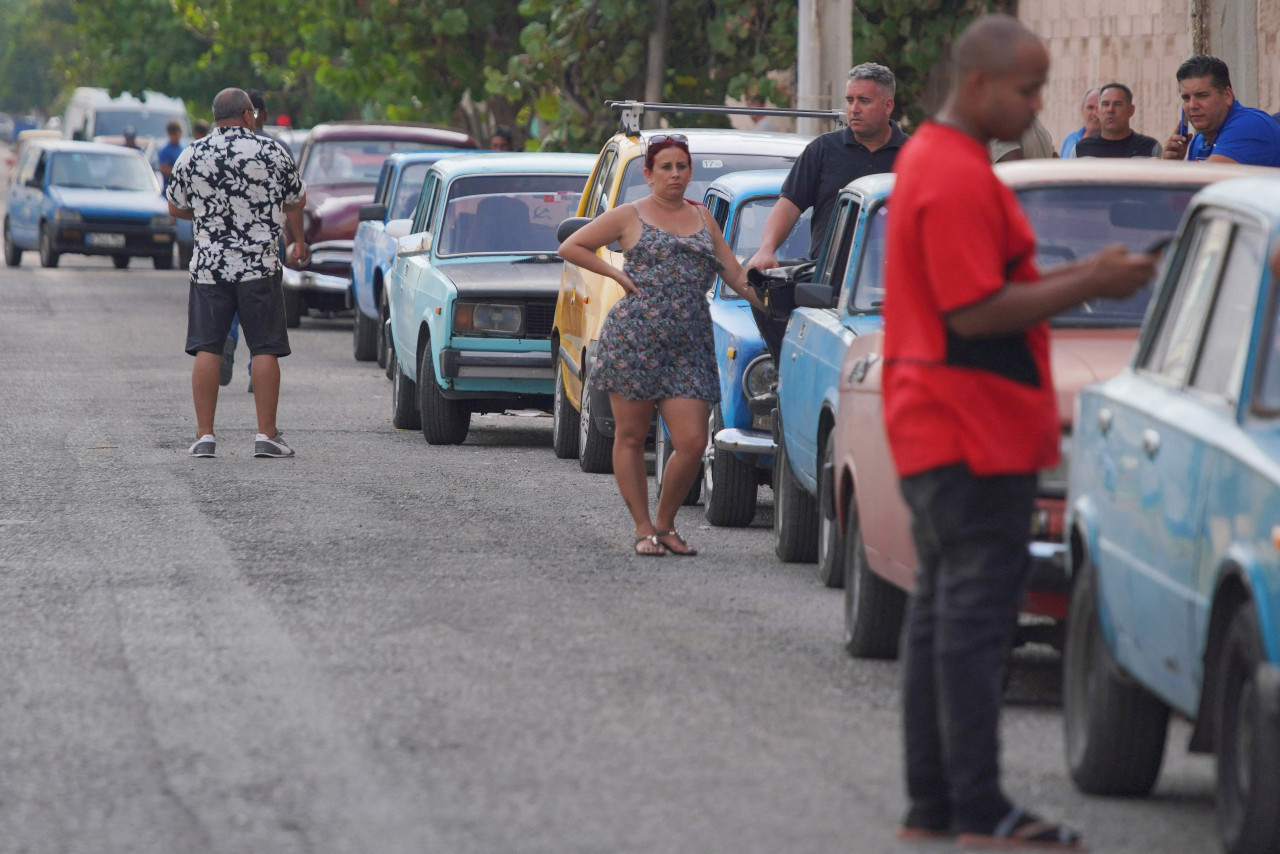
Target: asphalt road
pixel 380 646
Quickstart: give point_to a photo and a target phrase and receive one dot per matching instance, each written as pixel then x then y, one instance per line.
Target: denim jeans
pixel 971 535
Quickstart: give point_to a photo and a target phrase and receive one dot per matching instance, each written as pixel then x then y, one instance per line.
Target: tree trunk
pixel 656 64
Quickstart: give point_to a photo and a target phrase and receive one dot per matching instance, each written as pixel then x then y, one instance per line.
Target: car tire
pixel 120 261
pixel 795 518
pixel 444 421
pixel 384 337
pixel 1114 728
pixel 163 262
pixel 405 414
pixel 730 486
pixel 831 565
pixel 564 420
pixel 662 451
pixel 185 253
pixel 48 255
pixel 1246 742
pixel 12 254
pixel 873 606
pixel 364 334
pixel 595 449
pixel 292 308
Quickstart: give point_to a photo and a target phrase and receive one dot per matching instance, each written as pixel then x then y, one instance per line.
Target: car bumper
pixel 328 275
pixel 752 442
pixel 473 364
pixel 112 239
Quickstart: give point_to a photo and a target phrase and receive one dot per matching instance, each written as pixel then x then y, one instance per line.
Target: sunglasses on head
pixel 665 138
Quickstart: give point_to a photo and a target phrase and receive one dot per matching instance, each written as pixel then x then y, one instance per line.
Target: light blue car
pixel 85 198
pixel 1173 515
pixel 472 294
pixel 739 454
pixel 841 303
pixel 373 252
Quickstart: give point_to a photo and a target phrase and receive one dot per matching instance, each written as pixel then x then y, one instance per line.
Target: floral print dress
pixel 658 344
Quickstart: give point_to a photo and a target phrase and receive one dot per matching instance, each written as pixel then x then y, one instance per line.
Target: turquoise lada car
pixel 739 454
pixel 841 303
pixel 1173 511
pixel 472 294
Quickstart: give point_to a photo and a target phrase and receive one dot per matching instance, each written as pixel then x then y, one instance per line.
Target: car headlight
pixel 760 377
pixel 66 215
pixel 488 319
pixel 162 221
pixel 1053 482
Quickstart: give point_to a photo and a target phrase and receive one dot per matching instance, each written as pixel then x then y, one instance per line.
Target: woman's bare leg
pixel 686 420
pixel 632 418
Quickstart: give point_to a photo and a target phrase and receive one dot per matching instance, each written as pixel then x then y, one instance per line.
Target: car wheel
pixel 292 308
pixel 795 519
pixel 831 565
pixel 444 421
pixel 120 261
pixel 163 262
pixel 404 399
pixel 595 449
pixel 185 253
pixel 48 255
pixel 364 333
pixel 662 451
pixel 384 335
pixel 873 606
pixel 729 483
pixel 564 422
pixel 12 254
pixel 1115 729
pixel 1247 743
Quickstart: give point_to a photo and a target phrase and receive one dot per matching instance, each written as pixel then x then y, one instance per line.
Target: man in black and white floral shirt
pixel 240 189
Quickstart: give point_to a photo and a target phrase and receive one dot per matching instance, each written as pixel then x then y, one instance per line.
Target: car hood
pixel 487 279
pixel 109 203
pixel 1081 357
pixel 336 207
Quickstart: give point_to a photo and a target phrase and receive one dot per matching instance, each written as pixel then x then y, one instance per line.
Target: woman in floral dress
pixel 656 347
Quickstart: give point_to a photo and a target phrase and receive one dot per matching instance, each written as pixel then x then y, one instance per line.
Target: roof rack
pixel 632 111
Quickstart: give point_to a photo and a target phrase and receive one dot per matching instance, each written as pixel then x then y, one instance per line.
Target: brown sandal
pixel 689 551
pixel 659 551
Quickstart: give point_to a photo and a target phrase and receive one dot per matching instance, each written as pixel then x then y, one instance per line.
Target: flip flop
pixel 1022 831
pixel 650 538
pixel 690 551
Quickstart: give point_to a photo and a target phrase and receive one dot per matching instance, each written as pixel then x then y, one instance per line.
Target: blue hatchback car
pixel 86 198
pixel 1174 521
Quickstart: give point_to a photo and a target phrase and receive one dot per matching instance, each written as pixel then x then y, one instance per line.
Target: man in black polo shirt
pixel 1116 139
pixel 868 145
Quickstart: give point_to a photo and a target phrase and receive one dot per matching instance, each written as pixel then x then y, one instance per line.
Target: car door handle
pixel 858 372
pixel 1150 441
pixel 1105 417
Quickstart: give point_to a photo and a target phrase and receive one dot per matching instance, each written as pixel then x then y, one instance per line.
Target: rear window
pixel 505 214
pixel 706 168
pixel 356 161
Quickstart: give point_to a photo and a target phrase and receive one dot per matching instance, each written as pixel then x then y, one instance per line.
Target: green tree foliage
pixel 32 31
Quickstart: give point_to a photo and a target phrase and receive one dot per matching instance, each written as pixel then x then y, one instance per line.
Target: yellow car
pixel 583 421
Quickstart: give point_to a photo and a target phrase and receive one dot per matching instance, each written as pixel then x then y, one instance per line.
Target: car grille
pixel 539 318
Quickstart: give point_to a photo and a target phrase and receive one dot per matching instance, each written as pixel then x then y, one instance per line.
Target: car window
pixel 27 168
pixel 718 207
pixel 1183 315
pixel 97 170
pixel 507 213
pixel 748 232
pixel 355 161
pixel 706 168
pixel 384 185
pixel 1220 366
pixel 145 121
pixel 1075 221
pixel 427 207
pixel 868 294
pixel 408 190
pixel 836 246
pixel 604 179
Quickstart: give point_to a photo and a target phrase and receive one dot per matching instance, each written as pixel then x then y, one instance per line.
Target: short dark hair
pixel 505 132
pixel 255 98
pixel 1128 93
pixel 1205 65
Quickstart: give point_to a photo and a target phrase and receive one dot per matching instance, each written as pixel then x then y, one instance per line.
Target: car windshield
pixel 507 213
pixel 102 171
pixel 869 295
pixel 748 231
pixel 145 122
pixel 412 178
pixel 355 161
pixel 706 168
pixel 1072 222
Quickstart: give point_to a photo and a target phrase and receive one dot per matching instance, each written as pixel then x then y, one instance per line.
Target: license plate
pixel 112 241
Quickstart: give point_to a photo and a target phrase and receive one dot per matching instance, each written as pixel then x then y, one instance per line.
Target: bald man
pixel 970 414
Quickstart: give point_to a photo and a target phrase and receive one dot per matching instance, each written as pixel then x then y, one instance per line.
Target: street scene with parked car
pixel 628 513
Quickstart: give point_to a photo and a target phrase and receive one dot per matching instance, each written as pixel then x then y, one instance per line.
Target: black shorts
pixel 260 304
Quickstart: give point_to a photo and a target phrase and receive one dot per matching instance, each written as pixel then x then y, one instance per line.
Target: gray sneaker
pixel 228 361
pixel 268 446
pixel 205 446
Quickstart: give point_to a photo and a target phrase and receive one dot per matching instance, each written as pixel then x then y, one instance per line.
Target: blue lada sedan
pixel 85 198
pixel 472 294
pixel 1173 512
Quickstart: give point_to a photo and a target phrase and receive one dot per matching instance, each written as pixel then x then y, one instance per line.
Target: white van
pixel 92 114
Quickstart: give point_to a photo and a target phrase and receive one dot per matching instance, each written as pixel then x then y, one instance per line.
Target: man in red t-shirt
pixel 970 415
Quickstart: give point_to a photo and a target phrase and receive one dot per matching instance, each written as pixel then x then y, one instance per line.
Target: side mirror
pixel 399 228
pixel 413 244
pixel 372 211
pixel 569 226
pixel 812 295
